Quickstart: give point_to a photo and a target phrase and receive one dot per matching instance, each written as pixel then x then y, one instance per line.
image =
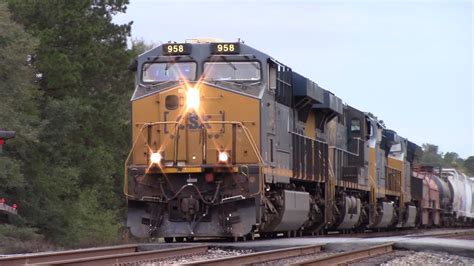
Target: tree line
pixel 65 89
pixel 432 156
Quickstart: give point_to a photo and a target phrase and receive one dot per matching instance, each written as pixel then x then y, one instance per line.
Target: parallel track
pixel 404 232
pixel 259 257
pixel 350 256
pixel 455 235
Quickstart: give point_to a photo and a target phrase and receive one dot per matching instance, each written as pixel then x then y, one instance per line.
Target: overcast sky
pixel 409 63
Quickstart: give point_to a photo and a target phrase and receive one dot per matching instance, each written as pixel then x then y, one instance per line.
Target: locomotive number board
pixel 176 49
pixel 225 48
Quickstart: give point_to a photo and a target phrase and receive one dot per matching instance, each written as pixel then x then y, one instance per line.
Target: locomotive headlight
pixel 223 157
pixel 193 98
pixel 156 157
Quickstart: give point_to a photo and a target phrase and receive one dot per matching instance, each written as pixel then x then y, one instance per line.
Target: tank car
pixel 462 189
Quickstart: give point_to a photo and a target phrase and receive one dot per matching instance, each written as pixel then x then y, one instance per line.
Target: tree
pixel 430 155
pixel 82 61
pixel 18 111
pixel 19 104
pixel 469 165
pixel 450 157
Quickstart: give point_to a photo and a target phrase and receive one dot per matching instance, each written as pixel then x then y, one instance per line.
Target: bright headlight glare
pixel 193 98
pixel 223 157
pixel 156 157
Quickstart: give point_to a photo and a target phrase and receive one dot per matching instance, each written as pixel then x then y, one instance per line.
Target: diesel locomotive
pixel 229 142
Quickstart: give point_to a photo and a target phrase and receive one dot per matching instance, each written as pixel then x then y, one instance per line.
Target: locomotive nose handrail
pixel 177 124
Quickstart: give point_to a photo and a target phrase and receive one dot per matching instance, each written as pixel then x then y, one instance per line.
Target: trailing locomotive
pixel 229 142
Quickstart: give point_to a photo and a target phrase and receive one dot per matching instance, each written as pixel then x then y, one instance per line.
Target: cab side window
pixel 355 125
pixel 272 77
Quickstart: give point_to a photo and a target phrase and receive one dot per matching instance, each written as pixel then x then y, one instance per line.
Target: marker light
pixel 193 98
pixel 223 157
pixel 156 157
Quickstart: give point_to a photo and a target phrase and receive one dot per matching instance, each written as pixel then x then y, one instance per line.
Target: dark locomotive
pixel 229 142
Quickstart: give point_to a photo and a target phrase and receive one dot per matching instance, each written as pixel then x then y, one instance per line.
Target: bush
pixel 14 239
pixel 89 224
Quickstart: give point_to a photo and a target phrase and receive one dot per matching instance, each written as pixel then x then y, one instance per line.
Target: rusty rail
pixel 103 256
pixel 350 256
pixel 62 255
pixel 259 257
pixel 455 234
pixel 135 257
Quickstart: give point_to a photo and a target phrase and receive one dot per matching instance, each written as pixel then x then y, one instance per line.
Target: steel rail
pixel 63 255
pixel 350 256
pixel 455 234
pixel 421 232
pixel 134 257
pixel 259 257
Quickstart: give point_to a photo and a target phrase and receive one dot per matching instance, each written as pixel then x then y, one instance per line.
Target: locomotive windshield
pixel 239 71
pixel 171 71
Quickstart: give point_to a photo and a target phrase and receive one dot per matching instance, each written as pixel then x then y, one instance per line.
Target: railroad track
pixel 102 256
pixel 131 254
pixel 405 232
pixel 350 256
pixel 259 257
pixel 455 235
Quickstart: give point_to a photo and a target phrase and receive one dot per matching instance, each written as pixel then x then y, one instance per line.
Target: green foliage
pixel 19 104
pixel 469 165
pixel 431 156
pixel 19 239
pixel 90 224
pixel 140 46
pixel 21 233
pixel 76 138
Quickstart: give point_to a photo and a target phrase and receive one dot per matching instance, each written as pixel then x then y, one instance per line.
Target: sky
pixel 408 62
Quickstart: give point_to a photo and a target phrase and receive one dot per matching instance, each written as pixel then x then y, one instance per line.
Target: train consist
pixel 229 142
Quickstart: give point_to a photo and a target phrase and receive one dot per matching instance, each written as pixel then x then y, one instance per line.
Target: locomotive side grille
pixel 310 158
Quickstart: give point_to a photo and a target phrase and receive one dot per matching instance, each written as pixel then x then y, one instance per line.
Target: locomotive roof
pixel 201 52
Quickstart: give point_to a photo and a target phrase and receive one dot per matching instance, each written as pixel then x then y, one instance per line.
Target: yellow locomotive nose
pixel 193 98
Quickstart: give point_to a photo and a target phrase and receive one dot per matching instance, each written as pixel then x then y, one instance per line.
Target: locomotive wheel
pixel 168 239
pixel 189 239
pixel 179 239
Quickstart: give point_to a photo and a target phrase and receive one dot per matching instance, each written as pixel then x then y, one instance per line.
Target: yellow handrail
pixel 144 125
